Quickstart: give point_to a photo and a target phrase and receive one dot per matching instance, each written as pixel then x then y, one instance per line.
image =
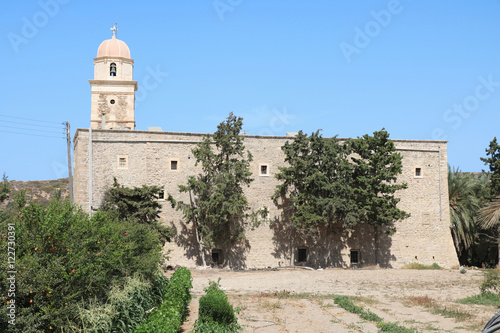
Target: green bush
pixel 215 312
pixel 170 315
pixel 214 306
pixel 127 306
pixel 65 260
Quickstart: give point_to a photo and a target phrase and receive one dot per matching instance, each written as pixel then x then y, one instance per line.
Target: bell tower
pixel 113 89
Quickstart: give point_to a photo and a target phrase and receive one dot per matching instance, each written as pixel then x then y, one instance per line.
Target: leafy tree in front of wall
pixel 328 182
pixel 377 165
pixel 218 207
pixel 138 205
pixel 375 179
pixel 316 183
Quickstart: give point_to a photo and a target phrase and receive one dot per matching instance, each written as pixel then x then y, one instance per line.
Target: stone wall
pixel 148 157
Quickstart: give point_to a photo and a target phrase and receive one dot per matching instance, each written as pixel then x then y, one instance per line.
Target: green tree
pixel 466 196
pixel 218 207
pixel 316 184
pixel 138 205
pixel 324 184
pixel 65 260
pixel 375 175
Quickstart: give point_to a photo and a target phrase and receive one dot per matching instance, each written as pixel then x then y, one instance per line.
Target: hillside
pixel 40 191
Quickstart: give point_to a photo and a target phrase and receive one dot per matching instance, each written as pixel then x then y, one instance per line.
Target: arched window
pixel 112 69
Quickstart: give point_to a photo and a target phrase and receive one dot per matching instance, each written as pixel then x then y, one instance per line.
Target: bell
pixel 112 70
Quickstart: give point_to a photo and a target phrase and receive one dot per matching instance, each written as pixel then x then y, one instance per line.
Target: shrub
pixel 214 306
pixel 491 282
pixel 65 259
pixel 170 315
pixel 127 306
pixel 215 313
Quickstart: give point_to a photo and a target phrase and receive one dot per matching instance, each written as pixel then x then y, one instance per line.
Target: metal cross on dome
pixel 114 29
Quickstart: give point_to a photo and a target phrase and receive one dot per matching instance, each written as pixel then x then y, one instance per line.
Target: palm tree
pixel 466 194
pixel 489 216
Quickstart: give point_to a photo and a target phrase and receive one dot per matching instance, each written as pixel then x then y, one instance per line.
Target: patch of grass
pixel 345 303
pixel 457 314
pixel 428 302
pixel 415 265
pixel 394 328
pixel 363 299
pixel 482 299
pixel 424 301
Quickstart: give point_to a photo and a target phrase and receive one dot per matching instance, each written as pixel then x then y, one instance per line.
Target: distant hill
pixel 39 191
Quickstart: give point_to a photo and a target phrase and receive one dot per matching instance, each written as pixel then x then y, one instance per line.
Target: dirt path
pixel 298 300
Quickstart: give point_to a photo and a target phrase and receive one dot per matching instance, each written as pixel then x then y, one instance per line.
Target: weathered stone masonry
pixel 424 237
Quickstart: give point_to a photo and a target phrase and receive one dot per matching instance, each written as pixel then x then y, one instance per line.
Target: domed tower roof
pixel 113 47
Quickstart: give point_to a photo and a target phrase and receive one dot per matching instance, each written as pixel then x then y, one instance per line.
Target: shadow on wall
pixel 223 255
pixel 331 246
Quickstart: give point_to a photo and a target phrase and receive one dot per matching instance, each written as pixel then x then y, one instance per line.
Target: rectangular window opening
pixel 354 257
pixel 216 257
pixel 302 254
pixel 418 172
pixel 173 165
pixel 122 162
pixel 263 169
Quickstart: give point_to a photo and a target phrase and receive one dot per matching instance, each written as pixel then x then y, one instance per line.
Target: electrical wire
pixel 46 136
pixel 17 122
pixel 29 129
pixel 42 121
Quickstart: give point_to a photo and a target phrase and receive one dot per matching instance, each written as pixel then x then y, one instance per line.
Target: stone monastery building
pixel 111 147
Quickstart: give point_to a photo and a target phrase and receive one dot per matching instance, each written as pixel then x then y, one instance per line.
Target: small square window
pixel 174 164
pixel 418 172
pixel 301 254
pixel 263 170
pixel 122 161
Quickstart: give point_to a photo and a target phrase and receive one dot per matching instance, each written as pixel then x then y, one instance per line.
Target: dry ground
pixel 299 300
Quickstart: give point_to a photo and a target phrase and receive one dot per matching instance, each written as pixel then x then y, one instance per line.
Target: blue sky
pixel 420 69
